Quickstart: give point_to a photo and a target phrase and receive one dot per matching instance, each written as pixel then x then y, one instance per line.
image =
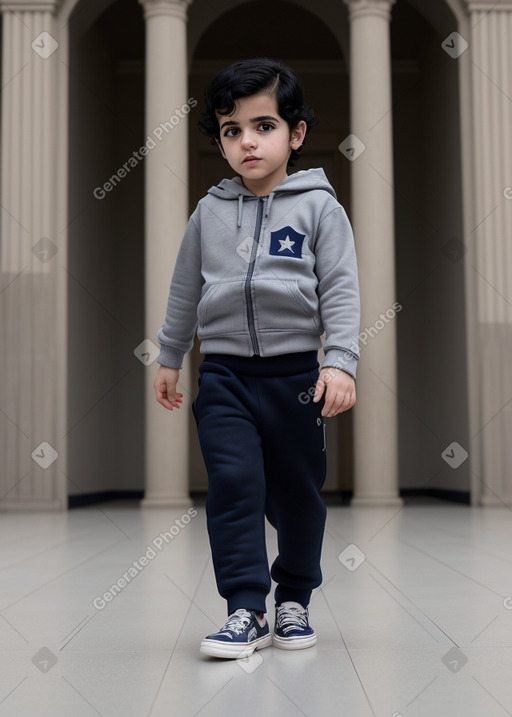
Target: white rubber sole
pixel 294 643
pixel 234 650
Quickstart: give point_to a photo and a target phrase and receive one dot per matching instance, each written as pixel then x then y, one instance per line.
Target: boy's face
pixel 257 142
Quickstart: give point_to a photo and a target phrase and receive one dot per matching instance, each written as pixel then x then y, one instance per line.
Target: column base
pixel 490 501
pixel 376 501
pixel 33 506
pixel 166 501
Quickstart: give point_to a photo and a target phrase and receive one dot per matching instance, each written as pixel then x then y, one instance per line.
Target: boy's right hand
pixel 165 387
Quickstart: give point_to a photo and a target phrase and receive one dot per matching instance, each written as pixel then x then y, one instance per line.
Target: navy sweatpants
pixel 263 444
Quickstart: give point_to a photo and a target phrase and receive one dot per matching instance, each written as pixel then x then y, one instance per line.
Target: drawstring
pixel 270 198
pixel 240 209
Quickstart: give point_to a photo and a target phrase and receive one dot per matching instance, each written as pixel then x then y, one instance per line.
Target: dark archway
pixel 300 39
pixel 432 364
pixel 106 252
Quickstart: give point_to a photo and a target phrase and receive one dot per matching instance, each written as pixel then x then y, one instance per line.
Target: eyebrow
pixel 261 118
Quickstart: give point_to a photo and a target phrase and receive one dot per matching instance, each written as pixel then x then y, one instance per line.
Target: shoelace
pixel 292 616
pixel 237 622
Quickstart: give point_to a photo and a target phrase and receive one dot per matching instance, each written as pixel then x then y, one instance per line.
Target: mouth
pixel 251 160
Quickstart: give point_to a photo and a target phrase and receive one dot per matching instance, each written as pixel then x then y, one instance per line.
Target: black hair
pixel 248 77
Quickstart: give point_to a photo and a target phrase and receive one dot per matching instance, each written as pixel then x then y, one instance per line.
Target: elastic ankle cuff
pixel 284 594
pixel 249 599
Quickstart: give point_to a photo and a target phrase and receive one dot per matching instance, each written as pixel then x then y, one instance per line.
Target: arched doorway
pixel 432 390
pixel 309 47
pixel 106 252
pixel 429 251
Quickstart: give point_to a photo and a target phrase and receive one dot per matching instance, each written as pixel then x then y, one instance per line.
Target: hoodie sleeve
pixel 338 290
pixel 176 336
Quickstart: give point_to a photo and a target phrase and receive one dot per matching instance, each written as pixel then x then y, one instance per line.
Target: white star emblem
pixel 286 244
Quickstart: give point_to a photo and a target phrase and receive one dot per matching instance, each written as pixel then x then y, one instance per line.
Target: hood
pixel 303 181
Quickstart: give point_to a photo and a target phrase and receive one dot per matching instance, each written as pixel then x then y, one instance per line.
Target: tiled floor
pixel 415 620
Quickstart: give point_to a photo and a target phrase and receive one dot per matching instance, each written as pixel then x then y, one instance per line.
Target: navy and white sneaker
pixel 240 637
pixel 292 630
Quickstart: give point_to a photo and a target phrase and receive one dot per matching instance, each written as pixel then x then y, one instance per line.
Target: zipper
pixel 250 271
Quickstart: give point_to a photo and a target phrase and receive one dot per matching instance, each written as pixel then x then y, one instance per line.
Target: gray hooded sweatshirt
pixel 266 275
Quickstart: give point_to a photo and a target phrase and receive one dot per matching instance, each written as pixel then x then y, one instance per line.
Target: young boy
pixel 266 265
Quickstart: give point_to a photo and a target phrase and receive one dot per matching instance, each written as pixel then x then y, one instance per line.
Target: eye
pixel 231 132
pixel 266 127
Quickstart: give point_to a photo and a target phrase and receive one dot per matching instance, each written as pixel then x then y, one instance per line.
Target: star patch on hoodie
pixel 286 242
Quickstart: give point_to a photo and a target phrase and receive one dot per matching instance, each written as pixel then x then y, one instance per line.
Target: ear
pixel 297 135
pixel 219 145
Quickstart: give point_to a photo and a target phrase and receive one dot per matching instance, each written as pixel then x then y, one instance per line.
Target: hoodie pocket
pixel 280 305
pixel 221 310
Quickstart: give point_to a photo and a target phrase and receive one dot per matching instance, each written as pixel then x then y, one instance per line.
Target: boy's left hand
pixel 340 391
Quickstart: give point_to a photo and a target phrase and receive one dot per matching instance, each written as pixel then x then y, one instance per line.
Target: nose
pixel 248 139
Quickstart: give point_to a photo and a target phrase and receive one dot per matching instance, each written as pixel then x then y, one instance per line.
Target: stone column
pixel 375 413
pixel 489 274
pixel 166 215
pixel 32 400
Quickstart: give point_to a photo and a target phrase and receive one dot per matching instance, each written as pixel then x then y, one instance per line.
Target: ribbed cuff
pixel 248 598
pixel 284 594
pixel 170 357
pixel 344 360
